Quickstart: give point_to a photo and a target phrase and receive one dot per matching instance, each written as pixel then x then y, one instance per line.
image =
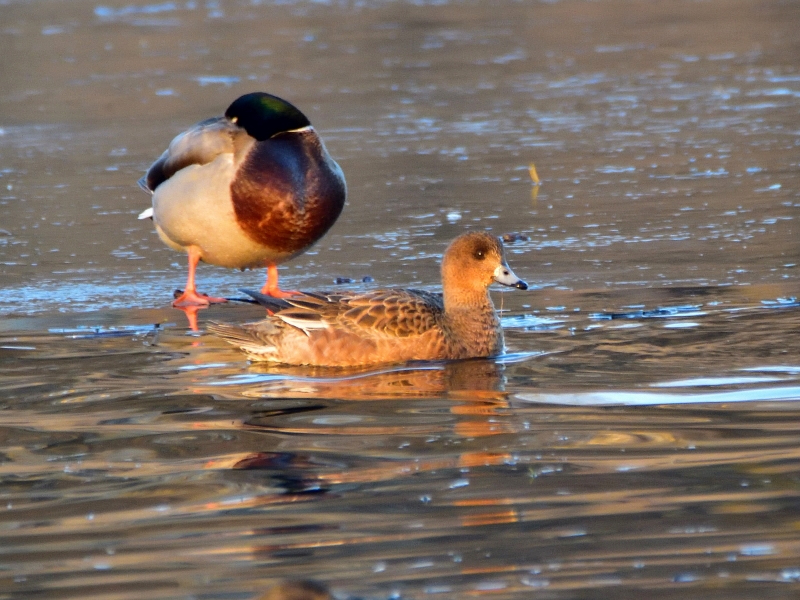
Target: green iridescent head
pixel 264 115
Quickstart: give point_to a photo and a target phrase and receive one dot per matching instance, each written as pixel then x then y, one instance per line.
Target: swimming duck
pixel 385 326
pixel 252 188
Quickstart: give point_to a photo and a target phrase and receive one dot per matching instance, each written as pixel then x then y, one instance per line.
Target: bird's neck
pixel 471 316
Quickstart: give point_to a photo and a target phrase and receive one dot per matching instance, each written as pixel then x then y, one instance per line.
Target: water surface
pixel 639 438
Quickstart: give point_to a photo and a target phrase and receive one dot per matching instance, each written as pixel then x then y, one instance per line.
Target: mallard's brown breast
pixel 288 192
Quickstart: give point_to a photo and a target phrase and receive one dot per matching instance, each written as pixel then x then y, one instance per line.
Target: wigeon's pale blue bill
pixel 505 276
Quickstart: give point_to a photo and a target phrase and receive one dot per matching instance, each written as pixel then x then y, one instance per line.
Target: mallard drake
pixel 252 188
pixel 385 326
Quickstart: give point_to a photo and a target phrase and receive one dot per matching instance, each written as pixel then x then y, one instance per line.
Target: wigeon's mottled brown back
pixel 386 326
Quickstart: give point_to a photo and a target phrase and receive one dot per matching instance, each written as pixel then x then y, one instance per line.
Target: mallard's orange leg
pixel 271 287
pixel 191 314
pixel 190 297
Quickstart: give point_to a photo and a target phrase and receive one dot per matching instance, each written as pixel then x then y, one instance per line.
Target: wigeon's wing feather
pixel 378 314
pixel 257 341
pixel 310 311
pixel 305 321
pixel 393 313
pixel 199 145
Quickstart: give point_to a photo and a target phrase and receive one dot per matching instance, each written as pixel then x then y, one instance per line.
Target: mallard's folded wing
pixel 199 145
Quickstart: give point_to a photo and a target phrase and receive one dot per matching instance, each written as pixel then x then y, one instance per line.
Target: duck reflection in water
pixel 477 408
pixel 297 590
pixel 470 378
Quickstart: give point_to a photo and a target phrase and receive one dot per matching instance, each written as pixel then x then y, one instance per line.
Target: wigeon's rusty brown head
pixel 471 263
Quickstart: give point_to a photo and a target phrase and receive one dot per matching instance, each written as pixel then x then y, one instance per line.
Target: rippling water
pixel 640 437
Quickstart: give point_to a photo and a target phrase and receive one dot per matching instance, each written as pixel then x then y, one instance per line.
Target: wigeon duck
pixel 297 590
pixel 252 188
pixel 385 326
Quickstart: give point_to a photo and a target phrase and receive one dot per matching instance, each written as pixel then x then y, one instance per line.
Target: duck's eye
pixel 479 254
